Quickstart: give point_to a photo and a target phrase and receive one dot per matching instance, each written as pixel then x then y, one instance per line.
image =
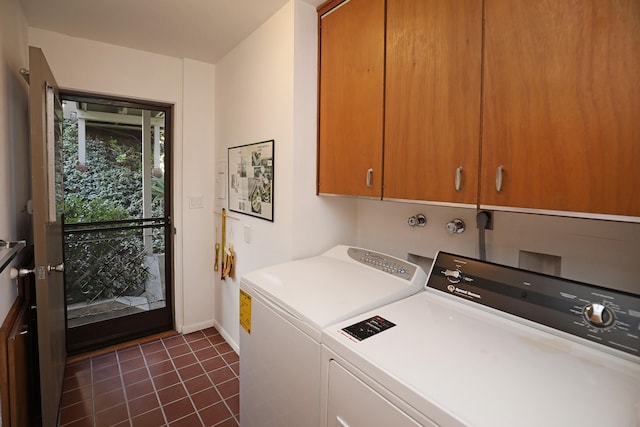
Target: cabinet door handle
pixel 459 178
pixel 369 173
pixel 499 178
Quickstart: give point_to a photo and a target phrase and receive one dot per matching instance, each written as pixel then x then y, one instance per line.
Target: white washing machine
pixel 283 310
pixel 487 345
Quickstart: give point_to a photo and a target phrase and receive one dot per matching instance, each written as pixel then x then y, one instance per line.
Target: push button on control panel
pixel 385 266
pixel 384 263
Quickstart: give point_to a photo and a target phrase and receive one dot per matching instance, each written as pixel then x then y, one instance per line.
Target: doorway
pixel 117 223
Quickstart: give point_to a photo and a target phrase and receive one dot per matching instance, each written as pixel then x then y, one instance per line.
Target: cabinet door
pixel 351 99
pixel 561 105
pixel 432 118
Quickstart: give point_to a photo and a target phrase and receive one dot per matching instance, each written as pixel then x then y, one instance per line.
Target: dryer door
pixel 352 403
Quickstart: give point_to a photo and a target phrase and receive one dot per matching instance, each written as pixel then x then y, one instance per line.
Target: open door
pixel 45 112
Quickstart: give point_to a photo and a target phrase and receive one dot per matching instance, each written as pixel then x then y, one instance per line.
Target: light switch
pixel 196 202
pixel 247 233
pixel 221 180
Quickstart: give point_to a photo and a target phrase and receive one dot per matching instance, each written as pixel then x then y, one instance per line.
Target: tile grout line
pixel 124 390
pixel 182 382
pixel 93 393
pixel 153 384
pixel 173 367
pixel 214 383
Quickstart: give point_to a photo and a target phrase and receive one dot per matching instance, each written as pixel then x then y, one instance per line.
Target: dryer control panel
pixel 594 313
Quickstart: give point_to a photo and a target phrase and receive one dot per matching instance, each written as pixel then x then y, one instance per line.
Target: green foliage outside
pixel 106 264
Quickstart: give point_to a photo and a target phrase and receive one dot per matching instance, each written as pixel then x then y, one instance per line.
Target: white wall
pixel 197 181
pixel 14 138
pixel 256 100
pixel 605 253
pixel 101 68
pixel 266 89
pixel 318 222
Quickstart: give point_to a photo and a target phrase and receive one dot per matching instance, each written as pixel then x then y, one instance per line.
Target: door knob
pixel 59 268
pixel 19 272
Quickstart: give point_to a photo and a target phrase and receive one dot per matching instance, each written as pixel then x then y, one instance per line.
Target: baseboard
pixel 234 345
pixel 187 329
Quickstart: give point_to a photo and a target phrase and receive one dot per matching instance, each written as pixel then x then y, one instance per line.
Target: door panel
pixel 432 114
pixel 561 105
pixel 351 99
pixel 46 191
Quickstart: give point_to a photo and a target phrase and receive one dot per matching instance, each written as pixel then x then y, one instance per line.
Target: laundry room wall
pixel 101 68
pixel 14 138
pixel 604 253
pixel 266 89
pixel 255 101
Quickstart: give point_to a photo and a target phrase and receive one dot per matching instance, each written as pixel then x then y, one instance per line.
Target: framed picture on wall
pixel 251 171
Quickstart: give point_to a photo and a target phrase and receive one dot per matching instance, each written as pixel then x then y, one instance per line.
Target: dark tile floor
pixel 181 380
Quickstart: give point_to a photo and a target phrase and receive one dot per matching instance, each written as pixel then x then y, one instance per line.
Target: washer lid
pixel 459 365
pixel 325 289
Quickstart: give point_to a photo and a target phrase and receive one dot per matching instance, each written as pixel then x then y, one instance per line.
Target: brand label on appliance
pixel 463 292
pixel 245 311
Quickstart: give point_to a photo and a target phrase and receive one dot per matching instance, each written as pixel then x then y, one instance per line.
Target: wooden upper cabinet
pixel 432 117
pixel 351 98
pixel 561 105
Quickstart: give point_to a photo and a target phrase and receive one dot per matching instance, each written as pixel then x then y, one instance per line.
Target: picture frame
pixel 251 173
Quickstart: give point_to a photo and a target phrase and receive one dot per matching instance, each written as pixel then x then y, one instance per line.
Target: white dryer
pixel 487 345
pixel 283 310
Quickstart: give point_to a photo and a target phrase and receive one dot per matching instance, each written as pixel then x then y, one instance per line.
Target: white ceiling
pixel 204 30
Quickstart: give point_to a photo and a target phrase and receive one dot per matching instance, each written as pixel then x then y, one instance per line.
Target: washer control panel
pixel 383 262
pixel 597 314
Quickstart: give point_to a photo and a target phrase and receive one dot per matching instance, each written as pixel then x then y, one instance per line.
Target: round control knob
pixel 453 276
pixel 598 315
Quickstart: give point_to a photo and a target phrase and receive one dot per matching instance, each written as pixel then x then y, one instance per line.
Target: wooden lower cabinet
pixel 19 389
pixel 561 106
